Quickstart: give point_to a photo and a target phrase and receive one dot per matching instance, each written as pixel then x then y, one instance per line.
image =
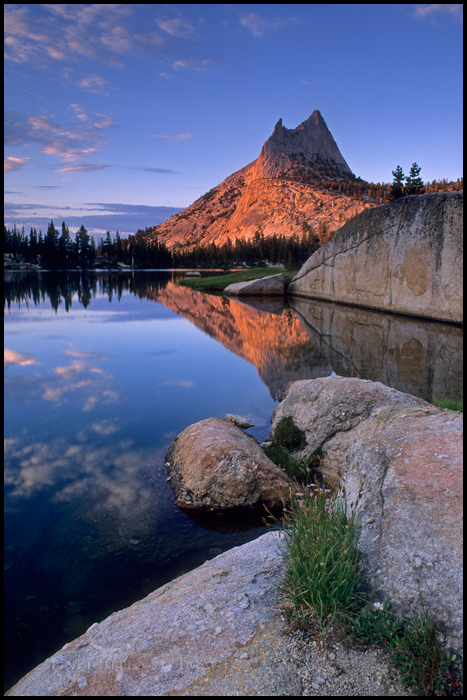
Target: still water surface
pixel 102 370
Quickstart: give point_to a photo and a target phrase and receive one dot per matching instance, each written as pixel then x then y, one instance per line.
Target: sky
pixel 118 116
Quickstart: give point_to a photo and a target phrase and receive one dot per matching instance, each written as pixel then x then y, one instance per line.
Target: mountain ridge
pixel 279 193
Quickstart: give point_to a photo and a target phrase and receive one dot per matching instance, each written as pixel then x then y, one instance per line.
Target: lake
pixel 102 371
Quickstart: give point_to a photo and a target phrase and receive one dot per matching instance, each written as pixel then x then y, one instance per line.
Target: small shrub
pixel 414 644
pixel 285 460
pixel 288 435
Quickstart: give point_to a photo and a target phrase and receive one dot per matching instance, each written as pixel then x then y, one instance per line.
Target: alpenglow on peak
pixel 310 144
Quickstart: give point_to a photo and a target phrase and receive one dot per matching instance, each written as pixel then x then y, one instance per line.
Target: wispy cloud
pixel 13 357
pixel 259 26
pixel 97 217
pixel 84 136
pixel 11 163
pixel 198 65
pixel 65 32
pixel 183 136
pixel 433 11
pixel 93 83
pixel 83 168
pixel 177 27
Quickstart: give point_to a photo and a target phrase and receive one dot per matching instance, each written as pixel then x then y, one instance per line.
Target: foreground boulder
pixel 405 456
pixel 214 467
pixel 265 286
pixel 213 631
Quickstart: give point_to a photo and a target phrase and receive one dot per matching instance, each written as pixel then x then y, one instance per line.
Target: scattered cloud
pixel 97 217
pixel 11 163
pixel 182 383
pixel 432 11
pixel 259 26
pixel 163 171
pixel 83 168
pixel 192 64
pixel 93 83
pixel 69 142
pixel 184 136
pixel 177 27
pixel 65 32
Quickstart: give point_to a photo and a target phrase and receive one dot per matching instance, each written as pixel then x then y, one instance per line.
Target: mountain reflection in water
pixel 307 339
pixel 92 406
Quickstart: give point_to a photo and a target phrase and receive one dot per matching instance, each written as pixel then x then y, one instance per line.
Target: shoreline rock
pixel 213 467
pixel 211 631
pixel 219 629
pixel 405 257
pixel 405 456
pixel 264 286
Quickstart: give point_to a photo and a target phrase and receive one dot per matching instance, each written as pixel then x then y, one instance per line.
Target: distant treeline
pixel 59 250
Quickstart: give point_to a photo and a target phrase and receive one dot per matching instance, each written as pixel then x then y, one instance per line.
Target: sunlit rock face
pixel 275 194
pixel 405 257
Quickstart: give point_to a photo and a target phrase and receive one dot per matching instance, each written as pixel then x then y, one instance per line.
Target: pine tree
pixel 397 186
pixel 413 182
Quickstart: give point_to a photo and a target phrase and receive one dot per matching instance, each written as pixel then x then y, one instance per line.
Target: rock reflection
pixel 312 339
pixel 423 358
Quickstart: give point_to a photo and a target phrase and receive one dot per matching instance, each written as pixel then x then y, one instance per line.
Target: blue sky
pixel 119 115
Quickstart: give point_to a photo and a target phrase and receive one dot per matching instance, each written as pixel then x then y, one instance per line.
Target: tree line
pixel 59 249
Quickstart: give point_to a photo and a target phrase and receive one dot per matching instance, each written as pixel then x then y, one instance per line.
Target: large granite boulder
pixel 214 467
pixel 213 631
pixel 405 257
pixel 405 456
pixel 264 286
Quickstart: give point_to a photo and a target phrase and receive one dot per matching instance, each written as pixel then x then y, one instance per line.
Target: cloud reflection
pixel 12 357
pixel 86 386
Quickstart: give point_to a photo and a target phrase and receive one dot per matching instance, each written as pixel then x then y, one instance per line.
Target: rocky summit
pixel 292 188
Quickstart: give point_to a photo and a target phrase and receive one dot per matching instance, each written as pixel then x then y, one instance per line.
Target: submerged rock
pixel 405 457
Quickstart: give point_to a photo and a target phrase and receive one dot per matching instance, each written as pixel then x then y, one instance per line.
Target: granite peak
pixel 283 192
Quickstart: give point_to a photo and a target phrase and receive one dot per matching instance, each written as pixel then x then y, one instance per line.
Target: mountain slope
pixel 284 191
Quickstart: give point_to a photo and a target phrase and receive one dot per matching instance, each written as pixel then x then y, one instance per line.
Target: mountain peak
pixel 310 144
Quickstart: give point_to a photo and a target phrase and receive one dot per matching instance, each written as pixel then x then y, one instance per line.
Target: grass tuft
pixel 324 582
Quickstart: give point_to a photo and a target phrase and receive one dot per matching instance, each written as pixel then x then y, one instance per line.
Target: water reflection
pixel 311 339
pixel 63 287
pixel 102 370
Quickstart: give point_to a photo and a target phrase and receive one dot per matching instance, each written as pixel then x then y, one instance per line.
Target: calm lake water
pixel 102 371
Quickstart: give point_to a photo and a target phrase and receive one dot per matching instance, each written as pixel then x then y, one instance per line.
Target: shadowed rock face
pixel 405 456
pixel 274 195
pixel 405 257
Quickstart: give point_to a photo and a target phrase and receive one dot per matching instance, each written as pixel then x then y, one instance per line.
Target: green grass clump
pixel 322 575
pixel 414 646
pixel 323 582
pixel 284 459
pixel 220 282
pixel 451 404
